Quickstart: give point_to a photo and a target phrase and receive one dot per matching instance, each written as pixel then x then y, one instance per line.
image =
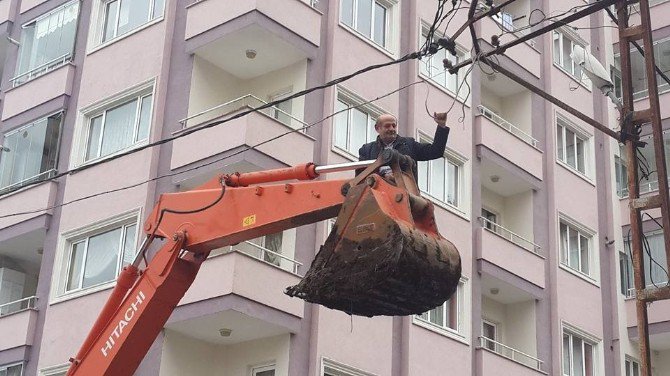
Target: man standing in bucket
pixel 387 129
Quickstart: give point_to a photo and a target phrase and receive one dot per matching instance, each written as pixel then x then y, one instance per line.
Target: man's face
pixel 387 128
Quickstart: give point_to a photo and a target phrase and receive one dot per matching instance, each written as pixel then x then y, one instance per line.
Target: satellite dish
pixel 595 71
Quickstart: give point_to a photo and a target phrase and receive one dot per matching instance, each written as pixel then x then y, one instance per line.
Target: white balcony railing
pixel 510 353
pixel 646 186
pixel 509 235
pixel 248 101
pixel 506 125
pixel 18 305
pixel 263 254
pixel 41 69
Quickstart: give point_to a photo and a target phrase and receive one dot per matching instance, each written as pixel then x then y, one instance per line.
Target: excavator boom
pixel 384 238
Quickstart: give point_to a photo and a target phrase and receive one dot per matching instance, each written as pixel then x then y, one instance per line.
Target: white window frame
pixel 269 367
pixel 459 333
pixel 615 72
pixel 491 224
pixel 57 370
pixel 630 364
pixel 67 239
pixel 564 254
pixel 559 58
pixel 353 101
pixel 96 34
pixel 459 91
pixel 4 367
pixel 276 111
pixel 460 162
pixel 340 369
pixel 585 337
pixel 579 135
pixel 496 335
pixel 49 66
pixel 390 30
pixel 80 143
pixel 658 255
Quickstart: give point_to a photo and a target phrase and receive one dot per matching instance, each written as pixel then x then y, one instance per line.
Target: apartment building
pixel 531 196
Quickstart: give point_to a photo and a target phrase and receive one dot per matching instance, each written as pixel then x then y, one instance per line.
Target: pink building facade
pixel 531 196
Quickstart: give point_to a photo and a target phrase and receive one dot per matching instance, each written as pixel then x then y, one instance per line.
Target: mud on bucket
pixel 383 257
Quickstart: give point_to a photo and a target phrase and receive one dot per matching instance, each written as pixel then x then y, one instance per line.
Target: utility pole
pixel 632 121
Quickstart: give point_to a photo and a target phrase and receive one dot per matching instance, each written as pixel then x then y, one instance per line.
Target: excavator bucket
pixel 384 255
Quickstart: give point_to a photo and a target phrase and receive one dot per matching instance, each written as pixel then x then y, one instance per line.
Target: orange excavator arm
pixel 226 210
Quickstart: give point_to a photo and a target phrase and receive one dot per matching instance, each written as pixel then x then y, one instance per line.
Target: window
pixel 632 367
pixel 441 179
pixel 626 276
pixel 95 259
pixel 263 371
pixel 448 315
pixel 646 166
pixel 433 68
pixel 563 46
pixel 491 220
pixel 639 70
pixel 30 153
pixel 47 42
pixel 490 333
pixel 506 20
pixel 370 18
pixel 578 355
pixel 12 370
pixel 571 146
pixel 120 17
pixel 272 243
pixel 575 247
pixel 118 127
pixel 354 126
pixel 331 368
pixel 653 247
pixel 621 174
pixel 283 110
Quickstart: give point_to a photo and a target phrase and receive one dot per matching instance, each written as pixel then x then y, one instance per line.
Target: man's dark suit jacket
pixel 419 151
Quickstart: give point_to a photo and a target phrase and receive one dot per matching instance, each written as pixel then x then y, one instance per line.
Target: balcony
pixel 251 130
pixel 18 329
pixel 226 343
pixel 504 124
pixel 511 23
pixel 658 315
pixel 264 254
pixel 294 15
pixel 508 342
pixel 506 232
pixel 236 273
pixel 521 363
pixel 49 81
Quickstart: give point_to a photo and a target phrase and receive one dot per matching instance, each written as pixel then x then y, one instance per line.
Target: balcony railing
pixel 506 125
pixel 41 69
pixel 263 254
pixel 18 305
pixel 248 101
pixel 510 353
pixel 645 187
pixel 510 235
